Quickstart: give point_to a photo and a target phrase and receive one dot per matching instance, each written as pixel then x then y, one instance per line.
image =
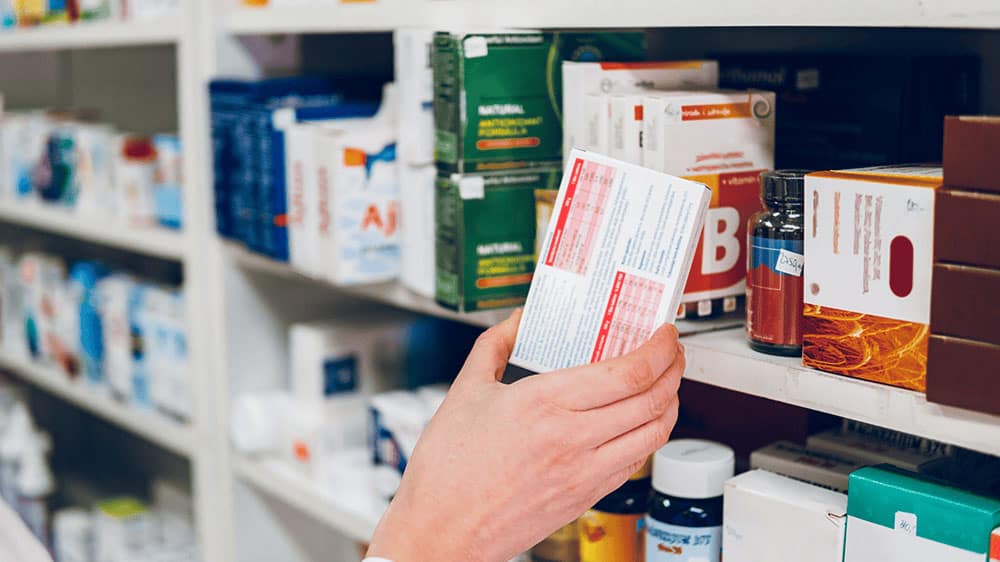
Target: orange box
pixel 869 247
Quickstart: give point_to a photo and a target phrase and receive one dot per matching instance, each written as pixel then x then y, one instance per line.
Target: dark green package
pixel 491 102
pixel 485 237
pixel 590 46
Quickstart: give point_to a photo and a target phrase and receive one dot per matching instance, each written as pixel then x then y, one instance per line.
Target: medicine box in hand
pixel 613 264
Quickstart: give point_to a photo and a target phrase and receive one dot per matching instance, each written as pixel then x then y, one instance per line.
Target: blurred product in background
pixel 117 529
pixel 109 331
pixel 65 160
pixel 28 13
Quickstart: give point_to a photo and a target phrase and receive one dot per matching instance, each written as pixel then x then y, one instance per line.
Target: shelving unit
pixel 156 428
pixel 386 15
pixel 91 35
pixel 153 241
pixel 278 480
pixel 723 359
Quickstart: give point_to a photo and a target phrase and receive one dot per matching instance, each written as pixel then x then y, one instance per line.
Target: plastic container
pixel 685 513
pixel 612 529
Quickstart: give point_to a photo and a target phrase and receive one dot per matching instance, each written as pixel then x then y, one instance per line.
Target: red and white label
pixel 580 216
pixel 628 317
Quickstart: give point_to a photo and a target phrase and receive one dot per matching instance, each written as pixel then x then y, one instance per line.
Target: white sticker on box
pixel 472 188
pixel 476 47
pixel 906 523
pixel 790 263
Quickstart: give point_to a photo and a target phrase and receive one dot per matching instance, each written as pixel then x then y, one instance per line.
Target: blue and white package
pixel 114 296
pixel 167 183
pixel 84 277
pixel 363 246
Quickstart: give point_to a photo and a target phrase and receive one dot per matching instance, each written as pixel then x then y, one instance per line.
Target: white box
pixel 625 128
pixel 724 140
pixel 582 78
pixel 416 196
pixel 303 201
pixel 822 469
pixel 871 451
pixel 596 114
pixel 415 82
pixel 613 265
pixel 358 171
pixel 772 518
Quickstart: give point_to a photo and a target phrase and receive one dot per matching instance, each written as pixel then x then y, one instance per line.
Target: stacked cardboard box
pixel 498 139
pixel 965 312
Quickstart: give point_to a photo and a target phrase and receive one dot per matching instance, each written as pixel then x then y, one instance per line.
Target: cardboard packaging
pixel 613 264
pixel 995 547
pixel 581 79
pixel 895 516
pixel 872 452
pixel 845 111
pixel 625 128
pixel 724 140
pixel 492 110
pixel 869 238
pixel 359 164
pixel 485 237
pixel 964 227
pixel 970 152
pixel 964 302
pixel 959 374
pixel 769 517
pixel 414 78
pixel 416 196
pixel 897 439
pixel 821 469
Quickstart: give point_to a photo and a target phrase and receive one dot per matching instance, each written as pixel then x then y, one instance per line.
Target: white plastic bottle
pixel 34 486
pixel 12 444
pixel 73 535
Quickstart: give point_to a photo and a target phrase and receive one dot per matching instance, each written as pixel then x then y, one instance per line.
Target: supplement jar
pixel 685 513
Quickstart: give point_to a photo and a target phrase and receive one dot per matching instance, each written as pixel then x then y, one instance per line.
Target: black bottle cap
pixel 783 185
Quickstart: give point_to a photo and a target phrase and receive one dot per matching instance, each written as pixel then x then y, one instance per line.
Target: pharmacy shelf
pixel 89 35
pixel 384 15
pixel 156 242
pixel 156 428
pixel 723 359
pixel 278 480
pixel 396 295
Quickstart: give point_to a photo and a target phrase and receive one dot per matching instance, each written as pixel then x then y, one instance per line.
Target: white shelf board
pixel 278 480
pixel 395 294
pixel 153 241
pixel 88 35
pixel 724 359
pixel 384 15
pixel 152 426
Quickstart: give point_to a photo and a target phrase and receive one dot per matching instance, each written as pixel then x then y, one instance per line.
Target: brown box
pixel 965 302
pixel 971 146
pixel 967 227
pixel 964 373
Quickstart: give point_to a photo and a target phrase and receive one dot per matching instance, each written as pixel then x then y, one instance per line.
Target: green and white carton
pixel 485 237
pixel 492 109
pixel 898 516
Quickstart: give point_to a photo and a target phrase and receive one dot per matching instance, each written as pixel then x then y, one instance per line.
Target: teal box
pixel 898 516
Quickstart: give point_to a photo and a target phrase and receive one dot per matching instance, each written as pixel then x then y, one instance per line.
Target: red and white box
pixel 613 263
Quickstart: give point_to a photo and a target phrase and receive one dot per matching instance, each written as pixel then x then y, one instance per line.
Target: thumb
pixel 488 359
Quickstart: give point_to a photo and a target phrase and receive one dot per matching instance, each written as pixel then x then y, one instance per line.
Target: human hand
pixel 501 467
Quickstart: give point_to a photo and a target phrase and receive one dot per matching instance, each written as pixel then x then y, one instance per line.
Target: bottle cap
pixel 783 185
pixel 692 468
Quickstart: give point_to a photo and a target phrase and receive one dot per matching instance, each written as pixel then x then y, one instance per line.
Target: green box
pixel 492 109
pixel 485 237
pixel 884 501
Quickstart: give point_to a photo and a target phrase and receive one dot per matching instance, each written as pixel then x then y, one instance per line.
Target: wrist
pixel 405 535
